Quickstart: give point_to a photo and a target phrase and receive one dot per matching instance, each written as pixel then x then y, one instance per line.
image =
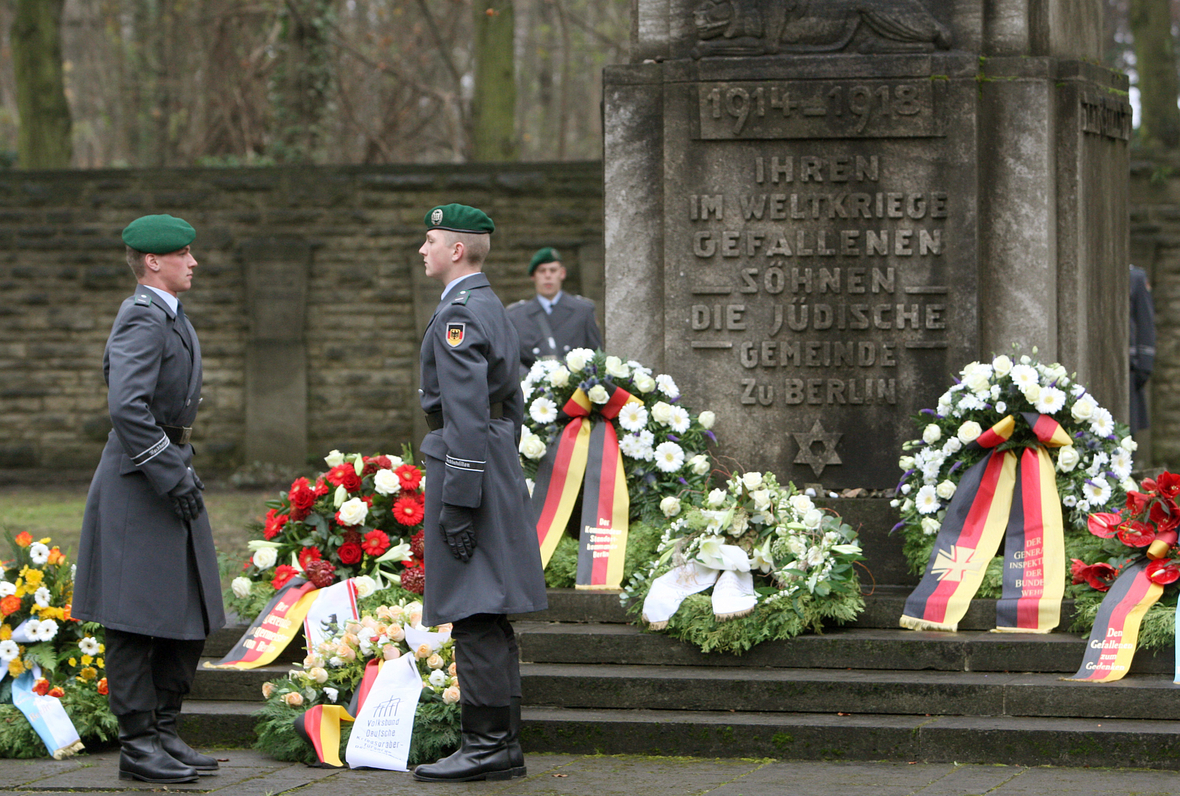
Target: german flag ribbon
pixel 272 630
pixel 1005 496
pixel 319 725
pixel 586 459
pixel 1116 626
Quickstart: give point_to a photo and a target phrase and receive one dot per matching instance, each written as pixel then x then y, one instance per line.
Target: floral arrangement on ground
pixel 38 633
pixel 361 518
pixel 331 673
pixel 1145 528
pixel 1093 474
pixel 664 444
pixel 776 564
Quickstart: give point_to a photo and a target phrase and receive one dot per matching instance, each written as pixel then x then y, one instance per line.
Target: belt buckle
pixel 185 433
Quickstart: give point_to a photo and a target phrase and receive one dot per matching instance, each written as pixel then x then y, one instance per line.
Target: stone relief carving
pixel 770 27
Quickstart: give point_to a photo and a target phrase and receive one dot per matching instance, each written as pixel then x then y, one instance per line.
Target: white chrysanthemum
pixel 42 597
pixel 265 557
pixel 930 526
pixel 1067 459
pixel 1102 423
pixel 669 457
pixel 1097 490
pixel 240 587
pixel 46 630
pixel 1051 401
pixel 647 438
pixel 633 416
pixel 1098 463
pixel 386 482
pixel 88 645
pixel 38 553
pixel 931 434
pixel 9 651
pixel 667 386
pixel 633 448
pixel 1024 376
pixel 927 500
pixel 930 470
pixel 680 419
pixel 543 410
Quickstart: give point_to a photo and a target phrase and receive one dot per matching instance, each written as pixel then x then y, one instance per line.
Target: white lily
pixel 714 553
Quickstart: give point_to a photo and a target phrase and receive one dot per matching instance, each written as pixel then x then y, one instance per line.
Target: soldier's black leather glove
pixel 186 497
pixel 457 524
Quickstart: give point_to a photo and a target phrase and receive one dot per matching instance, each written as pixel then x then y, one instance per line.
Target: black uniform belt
pixel 177 435
pixel 434 420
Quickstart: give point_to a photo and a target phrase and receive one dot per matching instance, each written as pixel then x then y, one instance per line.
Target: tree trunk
pixel 44 140
pixel 1151 26
pixel 494 105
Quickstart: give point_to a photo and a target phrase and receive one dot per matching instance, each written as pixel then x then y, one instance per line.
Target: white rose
pixel 1129 485
pixel 662 413
pixel 317 674
pixel 598 394
pixel 716 497
pixel 930 526
pixel 1002 365
pixel 752 479
pixel 699 464
pixel 946 490
pixel 969 432
pixel 364 585
pixel 706 419
pixel 241 586
pixel 1084 408
pixel 1128 444
pixel 386 482
pixel 978 381
pixel 931 434
pixel 906 463
pixel 761 498
pixel 801 503
pixel 576 360
pixel 670 506
pixel 813 518
pixel 644 383
pixel 354 511
pixel 532 446
pixel 1067 459
pixel 615 367
pixel 334 458
pixel 1032 393
pixel 265 557
pixel 559 376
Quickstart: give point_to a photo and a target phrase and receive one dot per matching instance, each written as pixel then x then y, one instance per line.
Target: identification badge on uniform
pixel 455 333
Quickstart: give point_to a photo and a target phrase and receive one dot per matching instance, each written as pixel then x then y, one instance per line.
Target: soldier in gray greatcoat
pixel 1142 346
pixel 147 570
pixel 483 561
pixel 553 322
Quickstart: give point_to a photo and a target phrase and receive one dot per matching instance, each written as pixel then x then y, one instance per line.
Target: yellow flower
pixel 44 541
pixel 73 661
pixel 21 591
pixel 89 673
pixel 5 632
pixel 99 663
pixel 87 660
pixel 33 577
pixel 16 667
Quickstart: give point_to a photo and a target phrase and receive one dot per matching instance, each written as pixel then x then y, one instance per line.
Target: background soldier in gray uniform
pixel 552 322
pixel 147 570
pixel 1142 347
pixel 483 561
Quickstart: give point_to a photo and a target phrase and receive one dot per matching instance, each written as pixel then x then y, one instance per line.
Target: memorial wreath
pixel 47 653
pixel 746 563
pixel 361 518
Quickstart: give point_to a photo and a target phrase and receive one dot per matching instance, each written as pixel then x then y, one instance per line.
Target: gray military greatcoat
pixel 141 568
pixel 470 363
pixel 571 322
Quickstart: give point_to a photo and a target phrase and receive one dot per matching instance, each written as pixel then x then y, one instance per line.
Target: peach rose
pixel 423 651
pixel 451 695
pixel 435 661
pixel 391 652
pixel 294 699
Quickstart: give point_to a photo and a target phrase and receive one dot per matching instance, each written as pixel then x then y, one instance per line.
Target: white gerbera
pixel 1102 423
pixel 1121 463
pixel 46 630
pixel 667 386
pixel 1097 490
pixel 88 645
pixel 543 410
pixel 927 500
pixel 633 416
pixel 680 419
pixel 9 651
pixel 669 457
pixel 38 553
pixel 1051 401
pixel 42 597
pixel 1024 376
pixel 7 589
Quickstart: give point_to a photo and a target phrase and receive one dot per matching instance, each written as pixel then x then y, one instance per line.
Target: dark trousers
pixel 487 660
pixel 139 666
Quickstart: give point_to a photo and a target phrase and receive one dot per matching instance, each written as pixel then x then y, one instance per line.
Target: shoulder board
pixel 520 303
pixel 462 297
pixel 143 299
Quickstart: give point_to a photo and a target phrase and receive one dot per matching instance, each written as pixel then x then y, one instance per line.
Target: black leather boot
pixel 515 753
pixel 143 758
pixel 484 752
pixel 167 718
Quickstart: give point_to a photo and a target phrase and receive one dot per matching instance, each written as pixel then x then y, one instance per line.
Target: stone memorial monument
pixel 818 212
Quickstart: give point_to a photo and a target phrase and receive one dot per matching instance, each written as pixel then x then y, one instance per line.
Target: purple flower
pixel 673 437
pixel 927 412
pixel 956 466
pixel 899 525
pixel 711 435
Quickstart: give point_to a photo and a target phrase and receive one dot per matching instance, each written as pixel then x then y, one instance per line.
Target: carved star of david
pixel 808 455
pixel 954 564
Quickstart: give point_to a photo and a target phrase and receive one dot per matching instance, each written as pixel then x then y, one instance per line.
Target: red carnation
pixel 383 462
pixel 414 579
pixel 376 543
pixel 283 573
pixel 418 545
pixel 344 475
pixel 57 691
pixel 309 554
pixel 371 466
pixel 321 573
pixel 1104 524
pixel 274 523
pixel 302 498
pixel 409 476
pixel 1136 534
pixel 1098 576
pixel 352 536
pixel 1163 572
pixel 408 510
pixel 350 553
pixel 41 687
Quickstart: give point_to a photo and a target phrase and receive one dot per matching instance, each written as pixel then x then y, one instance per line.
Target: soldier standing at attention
pixel 552 322
pixel 147 570
pixel 483 559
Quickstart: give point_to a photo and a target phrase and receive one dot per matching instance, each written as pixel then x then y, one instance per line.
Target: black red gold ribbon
pixel 319 725
pixel 272 630
pixel 1116 626
pixel 587 448
pixel 988 507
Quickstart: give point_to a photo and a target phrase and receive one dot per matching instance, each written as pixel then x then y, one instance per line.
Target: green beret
pixel 546 255
pixel 158 234
pixel 459 218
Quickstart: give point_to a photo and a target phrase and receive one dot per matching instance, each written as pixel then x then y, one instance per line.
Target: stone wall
pixel 347 237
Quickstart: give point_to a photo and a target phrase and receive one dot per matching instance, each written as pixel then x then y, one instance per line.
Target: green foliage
pixel 87 709
pixel 642 540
